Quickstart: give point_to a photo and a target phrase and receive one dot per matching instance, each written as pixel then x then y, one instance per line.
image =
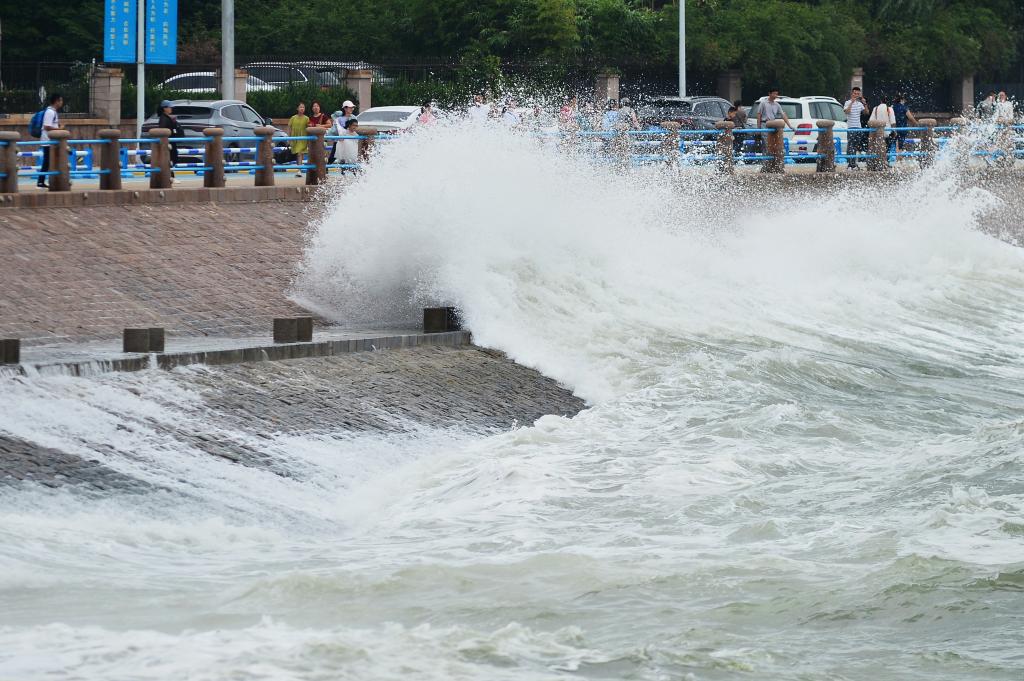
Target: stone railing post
pixel 366 145
pixel 59 161
pixel 9 162
pixel 726 162
pixel 928 145
pixel 110 159
pixel 670 147
pixel 1005 143
pixel 265 156
pixel 826 146
pixel 775 147
pixel 160 159
pixel 214 177
pixel 317 158
pixel 877 147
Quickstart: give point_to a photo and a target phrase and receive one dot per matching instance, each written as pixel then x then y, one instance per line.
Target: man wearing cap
pixel 166 119
pixel 340 119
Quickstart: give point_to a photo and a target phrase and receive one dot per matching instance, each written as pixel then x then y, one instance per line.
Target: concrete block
pixel 440 320
pixel 304 329
pixel 286 330
pixel 10 351
pixel 136 340
pixel 156 339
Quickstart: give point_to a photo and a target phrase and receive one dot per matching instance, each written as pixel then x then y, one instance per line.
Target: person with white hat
pixel 341 118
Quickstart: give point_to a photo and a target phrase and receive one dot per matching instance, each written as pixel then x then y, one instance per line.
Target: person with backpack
pixel 49 122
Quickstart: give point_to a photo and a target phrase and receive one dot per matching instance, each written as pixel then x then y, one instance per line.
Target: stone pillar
pixel 317 158
pixel 607 88
pixel 857 78
pixel 877 147
pixel 265 156
pixel 730 85
pixel 928 146
pixel 241 84
pixel 110 159
pixel 366 144
pixel 9 162
pixel 360 81
pixel 160 159
pixel 10 351
pixel 214 177
pixel 963 96
pixel 105 94
pixel 726 163
pixel 1005 142
pixel 826 146
pixel 775 147
pixel 670 146
pixel 59 161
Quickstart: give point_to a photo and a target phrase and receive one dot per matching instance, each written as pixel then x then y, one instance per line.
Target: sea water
pixel 801 458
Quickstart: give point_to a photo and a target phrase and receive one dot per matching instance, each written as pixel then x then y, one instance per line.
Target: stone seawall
pixel 196 269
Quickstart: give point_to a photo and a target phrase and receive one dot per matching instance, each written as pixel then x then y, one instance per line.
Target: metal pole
pixel 682 48
pixel 140 61
pixel 227 49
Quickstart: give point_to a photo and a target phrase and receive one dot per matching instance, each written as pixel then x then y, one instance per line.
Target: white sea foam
pixel 803 457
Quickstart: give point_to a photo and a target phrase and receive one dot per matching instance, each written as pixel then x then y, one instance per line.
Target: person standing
pixel 987 106
pixel 427 116
pixel 479 110
pixel 771 110
pixel 298 125
pixel 739 120
pixel 509 115
pixel 341 119
pixel 1003 111
pixel 627 116
pixel 51 122
pixel 166 119
pixel 317 118
pixel 856 136
pixel 904 117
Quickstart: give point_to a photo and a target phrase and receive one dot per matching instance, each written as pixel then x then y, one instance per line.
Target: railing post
pixel 265 156
pixel 9 162
pixel 160 159
pixel 1005 143
pixel 110 159
pixel 726 163
pixel 214 177
pixel 317 158
pixel 775 147
pixel 671 144
pixel 877 147
pixel 826 146
pixel 928 145
pixel 59 161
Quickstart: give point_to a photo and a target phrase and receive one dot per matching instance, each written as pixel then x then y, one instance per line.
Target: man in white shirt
pixel 479 110
pixel 51 121
pixel 856 136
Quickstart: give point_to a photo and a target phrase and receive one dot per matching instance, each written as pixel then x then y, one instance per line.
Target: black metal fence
pixel 26 86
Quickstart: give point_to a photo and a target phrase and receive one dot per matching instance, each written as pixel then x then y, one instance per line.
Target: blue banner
pixel 162 31
pixel 119 31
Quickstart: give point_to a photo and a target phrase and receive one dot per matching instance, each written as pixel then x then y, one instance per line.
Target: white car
pixel 389 118
pixel 804 114
pixel 207 83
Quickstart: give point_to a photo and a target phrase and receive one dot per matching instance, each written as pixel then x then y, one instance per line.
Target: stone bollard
pixel 670 147
pixel 826 147
pixel 877 147
pixel 726 163
pixel 156 339
pixel 1005 143
pixel 59 161
pixel 775 147
pixel 317 158
pixel 135 340
pixel 286 330
pixel 265 156
pixel 440 320
pixel 304 329
pixel 366 145
pixel 110 159
pixel 214 177
pixel 160 159
pixel 9 162
pixel 10 351
pixel 928 146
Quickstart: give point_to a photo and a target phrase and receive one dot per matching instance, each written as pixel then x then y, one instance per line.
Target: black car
pixel 238 119
pixel 692 113
pixel 282 74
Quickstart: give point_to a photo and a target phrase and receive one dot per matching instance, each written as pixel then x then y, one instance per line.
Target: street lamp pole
pixel 682 48
pixel 227 49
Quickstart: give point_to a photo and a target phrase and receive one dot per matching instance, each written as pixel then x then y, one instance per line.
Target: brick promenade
pixel 87 273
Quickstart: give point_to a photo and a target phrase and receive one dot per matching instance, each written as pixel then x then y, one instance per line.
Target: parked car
pixel 804 113
pixel 207 83
pixel 692 113
pixel 282 74
pixel 238 119
pixel 389 118
pixel 341 68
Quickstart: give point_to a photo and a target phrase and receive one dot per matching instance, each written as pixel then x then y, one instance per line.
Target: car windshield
pixel 384 116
